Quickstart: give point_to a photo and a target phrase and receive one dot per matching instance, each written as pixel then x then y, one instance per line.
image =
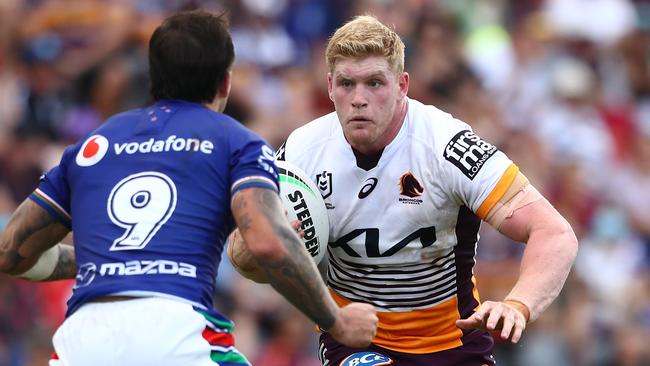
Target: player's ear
pixel 224 87
pixel 403 84
pixel 329 86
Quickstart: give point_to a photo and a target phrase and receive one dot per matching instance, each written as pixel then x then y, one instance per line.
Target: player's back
pixel 149 200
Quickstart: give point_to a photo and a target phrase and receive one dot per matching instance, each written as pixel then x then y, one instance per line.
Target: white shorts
pixel 146 331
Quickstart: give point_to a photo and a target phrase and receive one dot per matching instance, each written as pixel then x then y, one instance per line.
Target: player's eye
pixel 374 83
pixel 346 83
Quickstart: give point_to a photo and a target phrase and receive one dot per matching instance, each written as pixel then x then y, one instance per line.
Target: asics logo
pixel 367 188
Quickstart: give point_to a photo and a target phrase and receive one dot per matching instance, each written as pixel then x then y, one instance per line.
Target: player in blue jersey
pixel 151 196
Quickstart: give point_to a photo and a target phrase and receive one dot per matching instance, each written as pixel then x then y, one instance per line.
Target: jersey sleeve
pixel 53 192
pixel 291 149
pixel 479 174
pixel 252 164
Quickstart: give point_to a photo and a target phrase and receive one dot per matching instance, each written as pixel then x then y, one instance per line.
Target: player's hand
pixel 243 260
pixel 297 226
pixel 506 316
pixel 356 325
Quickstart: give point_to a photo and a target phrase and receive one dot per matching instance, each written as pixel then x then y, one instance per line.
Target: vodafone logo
pixel 92 151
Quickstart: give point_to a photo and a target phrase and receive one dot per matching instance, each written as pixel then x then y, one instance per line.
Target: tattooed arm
pixel 290 270
pixel 33 233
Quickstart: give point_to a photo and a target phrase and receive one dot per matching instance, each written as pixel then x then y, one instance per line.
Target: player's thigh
pixel 333 353
pixel 477 352
pixel 150 331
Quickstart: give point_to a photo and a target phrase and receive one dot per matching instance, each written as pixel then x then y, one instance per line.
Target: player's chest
pixel 393 209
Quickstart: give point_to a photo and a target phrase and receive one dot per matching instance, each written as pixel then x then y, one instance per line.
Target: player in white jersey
pixel 406 187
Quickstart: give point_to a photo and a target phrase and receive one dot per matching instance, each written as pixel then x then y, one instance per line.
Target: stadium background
pixel 562 86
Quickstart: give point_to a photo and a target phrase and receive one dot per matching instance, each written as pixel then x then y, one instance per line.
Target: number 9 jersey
pixel 147 197
pixel 403 234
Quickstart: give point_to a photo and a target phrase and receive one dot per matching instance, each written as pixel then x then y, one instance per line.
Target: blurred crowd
pixel 561 86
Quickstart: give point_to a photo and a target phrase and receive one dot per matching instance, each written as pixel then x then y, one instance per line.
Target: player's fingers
pixel 233 235
pixel 484 311
pixel 481 313
pixel 475 321
pixel 297 227
pixel 494 318
pixel 520 325
pixel 469 323
pixel 508 323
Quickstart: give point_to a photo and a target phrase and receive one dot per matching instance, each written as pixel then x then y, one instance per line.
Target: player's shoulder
pixel 311 135
pixel 316 129
pixel 433 126
pixel 118 120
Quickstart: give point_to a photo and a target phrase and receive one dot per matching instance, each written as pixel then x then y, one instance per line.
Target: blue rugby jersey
pixel 147 196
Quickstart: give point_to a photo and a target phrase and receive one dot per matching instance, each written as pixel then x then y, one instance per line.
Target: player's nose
pixel 358 97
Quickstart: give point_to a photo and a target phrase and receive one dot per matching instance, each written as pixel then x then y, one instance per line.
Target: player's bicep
pixel 30 231
pixel 538 215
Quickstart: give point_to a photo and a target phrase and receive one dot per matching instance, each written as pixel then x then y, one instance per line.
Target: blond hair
pixel 366 36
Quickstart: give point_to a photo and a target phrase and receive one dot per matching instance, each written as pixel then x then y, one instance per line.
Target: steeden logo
pixel 92 151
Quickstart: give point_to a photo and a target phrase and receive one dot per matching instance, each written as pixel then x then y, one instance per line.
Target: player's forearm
pixel 30 232
pixel 547 260
pixel 56 263
pixel 278 250
pixel 294 275
pixel 66 265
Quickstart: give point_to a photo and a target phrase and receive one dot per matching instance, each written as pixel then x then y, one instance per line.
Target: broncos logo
pixel 410 186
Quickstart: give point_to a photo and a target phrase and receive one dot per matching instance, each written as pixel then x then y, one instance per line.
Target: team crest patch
pixel 92 150
pixel 468 152
pixel 366 359
pixel 410 187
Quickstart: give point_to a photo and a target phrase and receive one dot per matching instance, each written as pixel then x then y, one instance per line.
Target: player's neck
pixel 367 161
pixel 217 105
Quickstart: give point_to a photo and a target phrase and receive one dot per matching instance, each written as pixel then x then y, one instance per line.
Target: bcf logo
pixel 366 359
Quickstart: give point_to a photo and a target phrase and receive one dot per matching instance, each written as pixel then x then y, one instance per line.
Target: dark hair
pixel 189 55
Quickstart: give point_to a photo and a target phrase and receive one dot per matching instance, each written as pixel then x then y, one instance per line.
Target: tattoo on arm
pixel 66 267
pixel 30 231
pixel 295 275
pixel 243 220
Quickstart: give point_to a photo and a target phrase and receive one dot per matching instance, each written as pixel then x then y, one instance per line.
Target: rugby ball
pixel 303 202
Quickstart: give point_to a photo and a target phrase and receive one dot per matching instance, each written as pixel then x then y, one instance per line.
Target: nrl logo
pixel 324 183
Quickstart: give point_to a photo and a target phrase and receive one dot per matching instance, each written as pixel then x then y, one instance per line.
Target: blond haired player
pixel 406 187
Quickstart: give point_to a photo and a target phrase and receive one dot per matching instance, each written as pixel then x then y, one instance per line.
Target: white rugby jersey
pixel 403 234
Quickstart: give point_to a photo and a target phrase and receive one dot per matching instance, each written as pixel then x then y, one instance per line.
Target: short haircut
pixel 189 56
pixel 366 36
